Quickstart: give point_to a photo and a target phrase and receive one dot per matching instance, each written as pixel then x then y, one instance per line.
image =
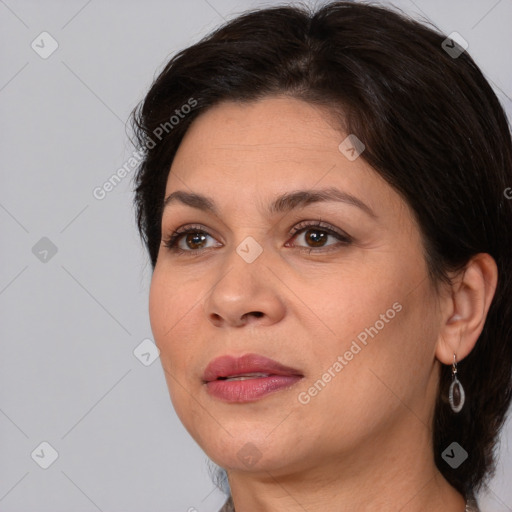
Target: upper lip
pixel 230 366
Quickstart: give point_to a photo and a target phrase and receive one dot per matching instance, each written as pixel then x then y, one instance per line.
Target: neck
pixel 395 471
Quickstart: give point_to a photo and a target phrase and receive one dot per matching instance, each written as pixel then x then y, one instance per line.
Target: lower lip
pixel 250 389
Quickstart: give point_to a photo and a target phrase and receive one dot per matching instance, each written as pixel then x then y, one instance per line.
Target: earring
pixel 456 395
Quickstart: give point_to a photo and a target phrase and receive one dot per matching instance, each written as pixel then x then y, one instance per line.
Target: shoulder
pixel 228 506
pixel 472 505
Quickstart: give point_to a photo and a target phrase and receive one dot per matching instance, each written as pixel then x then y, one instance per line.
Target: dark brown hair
pixel 433 129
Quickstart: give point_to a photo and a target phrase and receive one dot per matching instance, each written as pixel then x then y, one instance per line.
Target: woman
pixel 323 198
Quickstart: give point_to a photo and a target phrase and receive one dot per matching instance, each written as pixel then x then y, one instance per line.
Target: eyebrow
pixel 284 203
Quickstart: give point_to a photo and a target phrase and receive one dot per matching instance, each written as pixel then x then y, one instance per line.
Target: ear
pixel 464 308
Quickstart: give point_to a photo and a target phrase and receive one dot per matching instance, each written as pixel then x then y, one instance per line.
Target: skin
pixel 364 441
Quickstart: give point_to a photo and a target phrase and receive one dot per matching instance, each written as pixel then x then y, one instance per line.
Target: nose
pixel 244 293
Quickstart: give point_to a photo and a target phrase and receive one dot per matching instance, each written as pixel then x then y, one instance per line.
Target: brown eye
pixel 316 237
pixel 190 240
pixel 195 240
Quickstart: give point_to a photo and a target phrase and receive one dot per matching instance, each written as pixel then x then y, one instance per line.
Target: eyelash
pixel 344 239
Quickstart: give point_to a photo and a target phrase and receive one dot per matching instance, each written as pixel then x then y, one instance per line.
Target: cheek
pixel 352 299
pixel 171 305
pixel 171 308
pixel 377 380
pixel 160 304
pixel 379 317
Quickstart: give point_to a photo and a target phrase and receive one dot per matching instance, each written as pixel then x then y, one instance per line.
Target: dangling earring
pixel 456 395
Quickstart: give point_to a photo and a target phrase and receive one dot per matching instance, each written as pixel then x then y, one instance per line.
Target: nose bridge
pixel 243 264
pixel 243 287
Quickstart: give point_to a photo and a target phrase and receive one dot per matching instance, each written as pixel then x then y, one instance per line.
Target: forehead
pixel 279 125
pixel 237 151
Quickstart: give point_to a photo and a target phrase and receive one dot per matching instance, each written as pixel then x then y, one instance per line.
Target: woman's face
pixel 348 305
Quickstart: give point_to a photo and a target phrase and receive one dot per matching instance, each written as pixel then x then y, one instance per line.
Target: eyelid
pixel 171 241
pixel 317 224
pixel 344 239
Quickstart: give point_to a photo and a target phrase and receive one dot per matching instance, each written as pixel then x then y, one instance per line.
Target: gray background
pixel 70 321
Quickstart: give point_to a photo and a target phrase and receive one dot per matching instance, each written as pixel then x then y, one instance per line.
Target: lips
pixel 245 367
